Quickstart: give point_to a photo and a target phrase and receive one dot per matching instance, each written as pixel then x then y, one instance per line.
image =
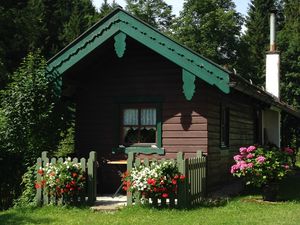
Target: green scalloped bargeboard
pixel 120 44
pixel 118 24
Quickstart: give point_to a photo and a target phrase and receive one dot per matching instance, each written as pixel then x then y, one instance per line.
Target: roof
pixel 120 21
pixel 244 86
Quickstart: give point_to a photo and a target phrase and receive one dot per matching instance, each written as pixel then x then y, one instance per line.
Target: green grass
pixel 240 210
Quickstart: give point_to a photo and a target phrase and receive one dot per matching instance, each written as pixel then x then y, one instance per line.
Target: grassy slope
pixel 242 210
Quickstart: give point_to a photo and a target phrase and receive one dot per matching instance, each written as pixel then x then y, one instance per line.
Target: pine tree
pixel 211 28
pixel 157 13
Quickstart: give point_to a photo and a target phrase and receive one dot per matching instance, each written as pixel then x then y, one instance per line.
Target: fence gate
pixel 88 166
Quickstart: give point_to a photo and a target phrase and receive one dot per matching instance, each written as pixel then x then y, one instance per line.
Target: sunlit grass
pixel 240 210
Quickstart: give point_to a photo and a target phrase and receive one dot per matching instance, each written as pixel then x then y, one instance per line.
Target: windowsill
pixel 140 149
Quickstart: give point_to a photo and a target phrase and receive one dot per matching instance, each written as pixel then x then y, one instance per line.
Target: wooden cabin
pixel 134 88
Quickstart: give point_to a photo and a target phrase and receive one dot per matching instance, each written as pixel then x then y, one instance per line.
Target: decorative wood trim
pixel 120 21
pixel 188 84
pixel 120 44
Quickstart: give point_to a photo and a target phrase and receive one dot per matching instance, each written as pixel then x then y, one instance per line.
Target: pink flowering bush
pixel 260 166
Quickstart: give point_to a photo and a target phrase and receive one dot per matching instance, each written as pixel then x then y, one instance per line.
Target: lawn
pixel 240 210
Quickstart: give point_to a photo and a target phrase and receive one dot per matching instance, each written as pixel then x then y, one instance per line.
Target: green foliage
pixel 64 180
pixel 157 180
pixel 11 172
pixel 157 13
pixel 255 41
pixel 28 108
pixel 27 197
pixel 66 145
pixel 263 165
pixel 106 8
pixel 48 25
pixel 288 44
pixel 211 28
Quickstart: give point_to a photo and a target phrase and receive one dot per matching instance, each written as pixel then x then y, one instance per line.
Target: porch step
pixel 108 203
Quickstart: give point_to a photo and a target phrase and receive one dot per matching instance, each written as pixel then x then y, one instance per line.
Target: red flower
pixel 176 177
pixel 151 181
pixel 165 195
pixel 74 175
pixel 71 189
pixel 68 186
pixel 73 182
pixel 40 171
pixel 37 186
pixel 174 181
pixel 182 177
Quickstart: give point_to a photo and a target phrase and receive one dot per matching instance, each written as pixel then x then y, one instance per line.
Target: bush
pixel 28 185
pixel 62 180
pixel 263 165
pixel 157 180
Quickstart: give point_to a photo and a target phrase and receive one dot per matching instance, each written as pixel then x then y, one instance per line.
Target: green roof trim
pixel 120 22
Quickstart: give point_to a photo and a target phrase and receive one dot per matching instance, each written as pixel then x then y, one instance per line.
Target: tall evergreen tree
pixel 289 47
pixel 106 8
pixel 48 25
pixel 154 12
pixel 255 42
pixel 210 27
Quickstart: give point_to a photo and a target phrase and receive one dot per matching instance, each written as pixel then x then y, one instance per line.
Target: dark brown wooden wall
pixel 241 133
pixel 188 126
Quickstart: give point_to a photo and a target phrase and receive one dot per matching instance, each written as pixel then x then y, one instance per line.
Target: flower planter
pixel 270 192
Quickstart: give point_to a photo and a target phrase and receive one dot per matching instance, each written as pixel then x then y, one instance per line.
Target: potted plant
pixel 263 167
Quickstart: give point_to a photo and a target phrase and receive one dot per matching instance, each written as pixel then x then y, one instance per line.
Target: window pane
pixel 148 116
pixel 130 135
pixel 148 135
pixel 130 117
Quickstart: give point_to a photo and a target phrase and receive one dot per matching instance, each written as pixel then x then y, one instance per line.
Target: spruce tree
pixel 289 47
pixel 255 41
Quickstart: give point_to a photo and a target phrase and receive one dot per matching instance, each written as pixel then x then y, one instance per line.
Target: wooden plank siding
pixel 241 133
pixel 101 79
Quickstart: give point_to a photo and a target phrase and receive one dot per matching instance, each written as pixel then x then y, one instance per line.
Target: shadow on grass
pixel 289 188
pixel 20 218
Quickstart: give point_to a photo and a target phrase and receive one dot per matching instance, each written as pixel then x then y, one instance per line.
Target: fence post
pixel 38 195
pixel 183 186
pixel 92 177
pixel 130 162
pixel 45 161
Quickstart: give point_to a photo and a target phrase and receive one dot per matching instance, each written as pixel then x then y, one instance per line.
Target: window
pixel 139 126
pixel 224 120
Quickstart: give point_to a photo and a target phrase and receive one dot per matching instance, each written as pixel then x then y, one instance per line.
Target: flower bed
pixel 62 180
pixel 154 181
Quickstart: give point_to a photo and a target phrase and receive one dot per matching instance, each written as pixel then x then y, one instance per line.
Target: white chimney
pixel 273 61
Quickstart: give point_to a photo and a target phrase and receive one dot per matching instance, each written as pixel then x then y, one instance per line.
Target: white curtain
pixel 148 116
pixel 131 117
